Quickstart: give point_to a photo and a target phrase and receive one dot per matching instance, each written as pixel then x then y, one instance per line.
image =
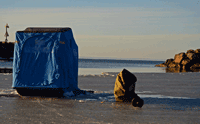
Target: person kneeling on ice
pixel 124 90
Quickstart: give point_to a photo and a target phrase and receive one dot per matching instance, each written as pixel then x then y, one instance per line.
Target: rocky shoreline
pixel 183 62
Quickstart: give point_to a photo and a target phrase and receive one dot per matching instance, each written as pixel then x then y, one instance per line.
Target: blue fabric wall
pixel 45 60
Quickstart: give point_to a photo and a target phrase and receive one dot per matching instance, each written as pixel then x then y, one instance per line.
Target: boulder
pixel 197 51
pixel 161 65
pixel 185 61
pixel 168 61
pixel 173 65
pixel 179 57
pixel 190 51
pixel 195 66
pixel 191 55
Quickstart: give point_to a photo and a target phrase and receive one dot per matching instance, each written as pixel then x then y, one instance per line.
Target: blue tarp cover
pixel 45 60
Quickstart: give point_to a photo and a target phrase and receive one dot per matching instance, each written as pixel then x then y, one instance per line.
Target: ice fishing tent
pixel 45 61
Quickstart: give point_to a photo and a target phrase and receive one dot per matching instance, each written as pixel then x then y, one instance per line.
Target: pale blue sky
pixel 153 29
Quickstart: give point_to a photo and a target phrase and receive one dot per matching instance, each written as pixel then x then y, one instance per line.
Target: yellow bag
pixel 124 90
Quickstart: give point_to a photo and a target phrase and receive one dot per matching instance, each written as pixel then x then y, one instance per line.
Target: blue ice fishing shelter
pixel 45 59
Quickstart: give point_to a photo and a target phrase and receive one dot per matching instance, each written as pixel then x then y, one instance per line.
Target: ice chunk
pixel 68 94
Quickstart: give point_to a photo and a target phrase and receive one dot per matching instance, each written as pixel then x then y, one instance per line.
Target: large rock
pixel 179 57
pixel 190 51
pixel 195 66
pixel 173 65
pixel 185 61
pixel 168 61
pixel 197 51
pixel 191 56
pixel 161 65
